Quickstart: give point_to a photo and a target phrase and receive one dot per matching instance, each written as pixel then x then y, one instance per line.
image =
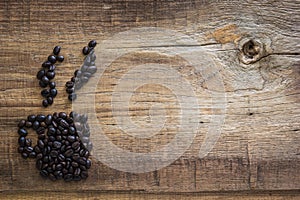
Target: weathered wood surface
pixel 259 145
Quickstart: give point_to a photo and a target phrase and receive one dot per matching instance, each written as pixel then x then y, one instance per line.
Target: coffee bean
pixel 51 131
pixel 45 80
pixel 40 130
pixel 24 155
pixel 40 118
pixel 20 149
pixel 28 142
pixel 52 59
pixel 44 173
pixel 93 57
pixel 63 123
pixel 71 138
pixel 50 100
pixel 53 92
pixel 31 118
pixel 52 68
pixel 84 79
pixel 50 75
pixel 85 50
pixel 32 154
pixel 68 177
pixel 56 145
pixel 22 132
pixel 35 125
pixel 22 123
pixel 41 144
pixel 45 159
pixel 70 90
pixel 37 149
pixel 40 74
pixel 22 141
pixel 77 73
pixel 52 85
pixel 84 68
pixel 56 50
pixel 70 84
pixel 48 119
pixel 61 157
pixel 84 174
pixel 42 84
pixel 63 115
pixel 60 58
pixel 75 156
pixel 87 74
pixel 77 172
pixel 54 153
pixel 82 161
pixel 39 156
pixel 92 43
pixel 68 153
pixel 45 92
pixel 39 164
pixel 46 64
pixel 45 103
pixel 28 149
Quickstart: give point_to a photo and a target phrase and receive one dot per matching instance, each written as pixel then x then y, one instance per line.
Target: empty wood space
pixel 214 83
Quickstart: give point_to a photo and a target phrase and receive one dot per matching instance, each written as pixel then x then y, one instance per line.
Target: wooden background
pixel 258 150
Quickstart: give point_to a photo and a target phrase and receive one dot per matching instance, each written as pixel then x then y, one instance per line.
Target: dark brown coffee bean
pixel 85 50
pixel 54 153
pixel 40 74
pixel 63 115
pixel 45 80
pixel 68 177
pixel 32 154
pixel 22 123
pixel 44 173
pixel 45 103
pixel 83 167
pixel 92 43
pixel 37 149
pixel 77 172
pixel 45 92
pixel 75 145
pixel 50 100
pixel 84 174
pixel 31 118
pixel 39 164
pixel 48 119
pixel 24 155
pixel 52 68
pixel 45 159
pixel 41 144
pixel 70 90
pixel 77 73
pixel 75 164
pixel 28 150
pixel 71 138
pixel 22 141
pixel 40 118
pixel 70 84
pixel 82 161
pixel 60 58
pixel 56 145
pixel 46 64
pixel 56 50
pixel 61 157
pixel 68 153
pixel 52 59
pixel 20 149
pixel 28 142
pixel 63 123
pixel 75 156
pixel 50 75
pixel 39 156
pixel 53 92
pixel 51 131
pixel 35 125
pixel 52 85
pixel 42 84
pixel 22 132
pixel 40 130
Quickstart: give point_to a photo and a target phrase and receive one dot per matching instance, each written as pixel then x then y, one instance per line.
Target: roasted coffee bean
pixel 71 138
pixel 60 58
pixel 84 68
pixel 40 74
pixel 22 141
pixel 51 138
pixel 37 149
pixel 85 50
pixel 45 159
pixel 91 69
pixel 83 167
pixel 84 174
pixel 48 119
pixel 50 75
pixel 63 115
pixel 32 154
pixel 54 153
pixel 68 153
pixel 40 118
pixel 45 92
pixel 52 59
pixel 25 155
pixel 53 92
pixel 52 177
pixel 31 118
pixel 46 64
pixel 52 68
pixel 51 131
pixel 70 84
pixel 45 80
pixel 41 144
pixel 45 103
pixel 63 123
pixel 22 123
pixel 87 74
pixel 28 124
pixel 22 132
pixel 56 50
pixel 84 79
pixel 61 157
pixel 92 43
pixel 82 161
pixel 40 130
pixel 93 57
pixel 28 149
pixel 42 84
pixel 52 85
pixel 39 164
pixel 50 100
pixel 70 90
pixel 75 156
pixel 56 145
pixel 20 149
pixel 35 125
pixel 39 156
pixel 72 97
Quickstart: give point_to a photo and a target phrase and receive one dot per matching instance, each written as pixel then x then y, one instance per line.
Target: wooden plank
pixel 259 145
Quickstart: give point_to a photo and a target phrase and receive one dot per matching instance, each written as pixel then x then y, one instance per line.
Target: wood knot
pixel 251 50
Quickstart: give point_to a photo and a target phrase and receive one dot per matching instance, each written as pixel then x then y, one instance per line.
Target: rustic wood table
pixel 220 76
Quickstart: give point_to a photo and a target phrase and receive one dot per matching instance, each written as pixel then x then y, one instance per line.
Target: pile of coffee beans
pixel 46 74
pixel 82 75
pixel 62 146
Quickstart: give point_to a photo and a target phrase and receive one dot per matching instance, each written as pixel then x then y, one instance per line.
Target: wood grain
pixel 259 145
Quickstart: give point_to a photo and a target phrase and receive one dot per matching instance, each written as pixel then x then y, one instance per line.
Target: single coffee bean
pixel 32 154
pixel 50 74
pixel 45 103
pixel 22 132
pixel 45 159
pixel 71 138
pixel 63 115
pixel 45 80
pixel 78 73
pixel 40 118
pixel 41 144
pixel 61 157
pixel 63 123
pixel 46 64
pixel 53 92
pixel 22 141
pixel 60 58
pixel 39 164
pixel 39 156
pixel 68 153
pixel 85 50
pixel 87 74
pixel 84 68
pixel 35 125
pixel 84 79
pixel 44 173
pixel 52 68
pixel 28 150
pixel 48 119
pixel 45 92
pixel 68 177
pixel 51 131
pixel 84 174
pixel 72 130
pixel 31 118
pixel 22 123
pixel 77 172
pixel 37 149
pixel 40 130
pixel 51 138
pixel 20 149
pixel 70 90
pixel 72 97
pixel 25 155
pixel 75 156
pixel 56 50
pixel 52 85
pixel 70 84
pixel 54 153
pixel 40 74
pixel 82 161
pixel 52 59
pixel 42 84
pixel 28 142
pixel 92 43
pixel 56 145
pixel 50 100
